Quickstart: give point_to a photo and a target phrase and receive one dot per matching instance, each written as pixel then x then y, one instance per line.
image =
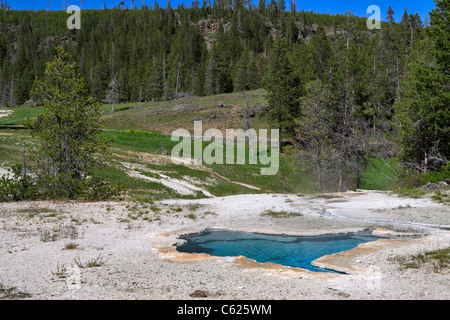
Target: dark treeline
pixel 158 53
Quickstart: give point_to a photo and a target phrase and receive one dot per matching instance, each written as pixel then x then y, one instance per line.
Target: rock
pixel 343 294
pixel 431 186
pixel 221 104
pixel 199 294
pixel 251 113
pixel 183 107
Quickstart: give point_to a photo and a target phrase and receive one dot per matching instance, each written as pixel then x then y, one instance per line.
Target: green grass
pixel 280 214
pixel 167 116
pixel 441 197
pixel 437 261
pixel 150 142
pixel 141 141
pixel 32 211
pixel 118 107
pixel 71 246
pixel 375 176
pixel 12 143
pixel 409 192
pixel 97 262
pixel 139 127
pixel 192 216
pixel 135 187
pixel 19 116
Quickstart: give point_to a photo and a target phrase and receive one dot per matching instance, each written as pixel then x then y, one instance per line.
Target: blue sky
pixel 357 7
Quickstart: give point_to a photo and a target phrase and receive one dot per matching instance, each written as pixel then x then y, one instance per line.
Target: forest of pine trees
pixel 372 78
pixel 159 53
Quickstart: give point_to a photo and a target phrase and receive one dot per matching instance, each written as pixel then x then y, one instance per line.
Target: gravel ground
pixel 108 250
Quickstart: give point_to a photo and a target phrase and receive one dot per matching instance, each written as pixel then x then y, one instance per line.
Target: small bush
pixel 280 214
pixel 17 186
pixel 71 246
pixel 410 192
pixel 192 216
pixel 97 262
pixel 436 176
pixel 437 261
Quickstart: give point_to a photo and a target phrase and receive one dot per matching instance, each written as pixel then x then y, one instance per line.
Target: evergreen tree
pixel 211 85
pixel 321 49
pixel 423 114
pixel 240 73
pixel 439 33
pixel 282 89
pixel 199 82
pixel 159 53
pixel 252 73
pixel 291 28
pixel 390 15
pixel 155 81
pixel 113 95
pixel 315 127
pixel 68 131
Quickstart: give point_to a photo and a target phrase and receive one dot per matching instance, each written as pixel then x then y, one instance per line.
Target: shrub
pixel 436 176
pixel 16 185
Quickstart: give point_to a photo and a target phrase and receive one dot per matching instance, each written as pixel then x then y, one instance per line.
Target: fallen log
pixel 12 126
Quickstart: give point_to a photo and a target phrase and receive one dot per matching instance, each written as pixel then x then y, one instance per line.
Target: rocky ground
pixel 110 250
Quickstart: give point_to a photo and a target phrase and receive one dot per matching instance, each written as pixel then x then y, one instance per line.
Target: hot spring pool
pixel 293 251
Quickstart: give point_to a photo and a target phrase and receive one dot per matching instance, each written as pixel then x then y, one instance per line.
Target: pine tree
pixel 350 132
pixel 315 128
pixel 390 15
pixel 155 81
pixel 199 82
pixel 439 33
pixel 113 95
pixel 253 78
pixel 282 88
pixel 321 49
pixel 291 28
pixel 211 76
pixel 423 113
pixel 240 73
pixel 68 131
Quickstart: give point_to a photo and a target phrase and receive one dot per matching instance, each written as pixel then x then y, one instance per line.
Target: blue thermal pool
pixel 293 251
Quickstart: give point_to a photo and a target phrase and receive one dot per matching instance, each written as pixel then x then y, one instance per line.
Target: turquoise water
pixel 293 251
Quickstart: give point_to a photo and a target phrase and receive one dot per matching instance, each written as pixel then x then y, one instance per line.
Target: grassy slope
pixel 378 175
pixel 166 116
pixel 135 126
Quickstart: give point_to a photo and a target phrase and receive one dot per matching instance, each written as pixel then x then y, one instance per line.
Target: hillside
pixel 158 53
pixel 136 160
pixel 218 111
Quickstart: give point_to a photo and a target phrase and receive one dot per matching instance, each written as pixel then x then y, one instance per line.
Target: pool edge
pixel 344 262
